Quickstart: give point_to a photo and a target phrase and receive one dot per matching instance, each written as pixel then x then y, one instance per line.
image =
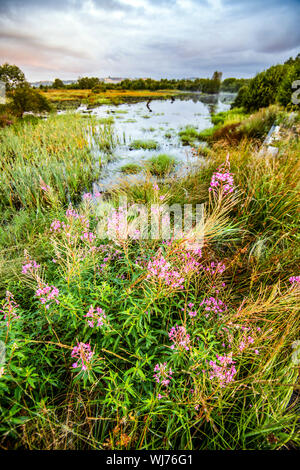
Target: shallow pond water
pixel 161 122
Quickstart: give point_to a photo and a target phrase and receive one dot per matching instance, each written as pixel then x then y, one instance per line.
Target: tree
pixel 12 76
pixel 262 89
pixel 286 89
pixel 87 83
pixel 24 99
pixel 58 83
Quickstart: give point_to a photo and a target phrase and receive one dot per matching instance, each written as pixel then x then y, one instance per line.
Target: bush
pixel 25 99
pixel 262 90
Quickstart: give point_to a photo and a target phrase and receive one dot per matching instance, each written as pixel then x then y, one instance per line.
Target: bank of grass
pixel 59 97
pixel 234 125
pixel 117 403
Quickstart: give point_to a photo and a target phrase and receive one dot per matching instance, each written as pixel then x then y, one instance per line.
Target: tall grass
pixel 56 152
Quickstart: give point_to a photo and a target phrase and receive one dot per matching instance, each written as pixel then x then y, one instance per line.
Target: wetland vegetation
pixel 134 343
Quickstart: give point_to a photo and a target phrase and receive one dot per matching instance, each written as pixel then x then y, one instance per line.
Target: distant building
pixel 113 79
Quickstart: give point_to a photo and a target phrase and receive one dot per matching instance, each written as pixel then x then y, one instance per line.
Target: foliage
pixel 58 83
pixel 286 89
pixel 12 76
pixel 24 99
pixel 233 85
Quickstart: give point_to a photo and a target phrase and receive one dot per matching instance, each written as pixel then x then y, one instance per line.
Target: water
pixel 137 122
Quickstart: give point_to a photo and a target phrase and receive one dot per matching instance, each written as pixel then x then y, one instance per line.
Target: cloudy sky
pixel 142 38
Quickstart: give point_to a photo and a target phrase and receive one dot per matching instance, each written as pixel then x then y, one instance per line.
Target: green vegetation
pixel 143 144
pixel 131 168
pixel 12 76
pixel 271 86
pixel 234 125
pixel 161 164
pixel 114 402
pixel 189 135
pixel 232 85
pixel 228 117
pixel 130 342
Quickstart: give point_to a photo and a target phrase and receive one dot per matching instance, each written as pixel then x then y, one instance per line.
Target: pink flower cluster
pixel 245 341
pixel 83 353
pixel 214 268
pixel 97 316
pixel 163 374
pixel 31 266
pixel 45 187
pixel 223 181
pixel 117 227
pixel 72 214
pixel 190 264
pixel 10 308
pixel 159 269
pixel 295 281
pixel 224 371
pixel 213 305
pixel 192 313
pixel 179 337
pixel 88 237
pixel 46 294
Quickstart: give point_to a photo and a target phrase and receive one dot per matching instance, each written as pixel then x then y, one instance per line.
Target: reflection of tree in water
pixel 210 100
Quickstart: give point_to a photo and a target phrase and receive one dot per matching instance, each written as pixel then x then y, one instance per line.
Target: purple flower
pixel 83 354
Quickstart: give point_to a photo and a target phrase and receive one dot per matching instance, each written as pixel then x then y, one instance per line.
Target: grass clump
pixel 226 117
pixel 161 165
pixel 143 144
pixel 131 169
pixel 188 135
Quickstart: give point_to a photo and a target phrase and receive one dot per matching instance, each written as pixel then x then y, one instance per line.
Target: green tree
pixel 12 76
pixel 286 89
pixel 262 90
pixel 87 83
pixel 24 99
pixel 58 83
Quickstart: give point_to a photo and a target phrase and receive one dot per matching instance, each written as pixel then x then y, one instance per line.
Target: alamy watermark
pixel 151 222
pixel 295 99
pixel 2 357
pixel 2 93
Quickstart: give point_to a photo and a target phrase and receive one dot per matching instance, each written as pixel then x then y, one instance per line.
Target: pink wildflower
pixel 295 281
pixel 46 294
pixel 97 317
pixel 10 308
pixel 160 270
pixel 223 371
pixel 162 374
pixel 179 337
pixel 83 353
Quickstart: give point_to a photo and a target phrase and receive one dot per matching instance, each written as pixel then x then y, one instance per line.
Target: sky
pixel 147 38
